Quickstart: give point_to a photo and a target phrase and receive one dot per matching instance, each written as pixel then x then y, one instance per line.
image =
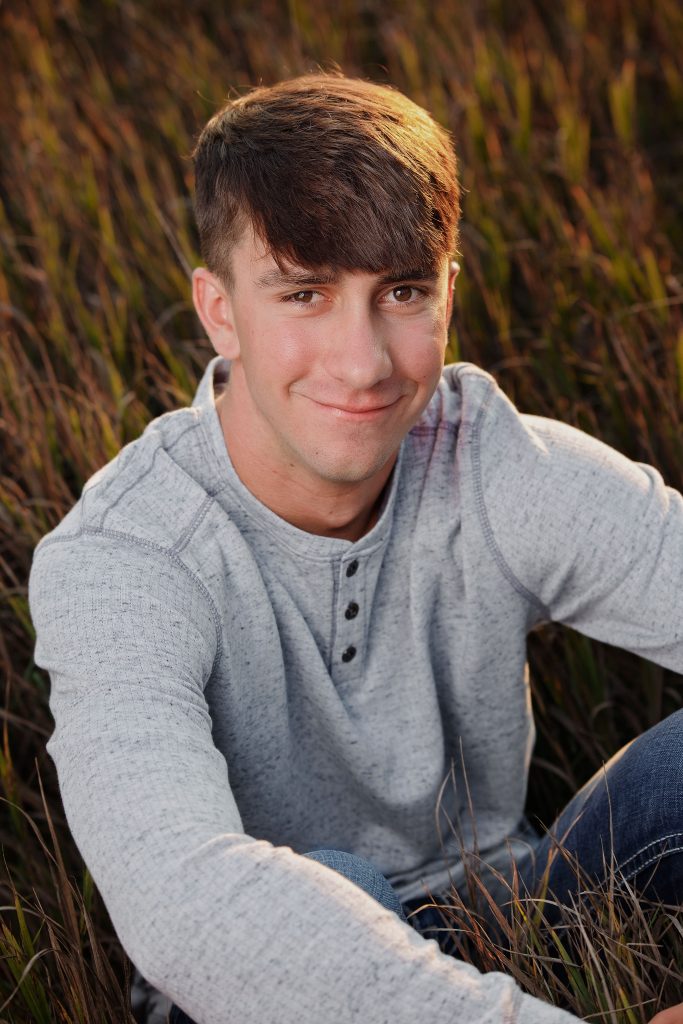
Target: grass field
pixel 568 121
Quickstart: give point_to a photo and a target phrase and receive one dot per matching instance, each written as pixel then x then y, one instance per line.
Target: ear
pixel 213 304
pixel 453 271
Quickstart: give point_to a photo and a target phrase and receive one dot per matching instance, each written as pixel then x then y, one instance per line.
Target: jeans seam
pixel 645 849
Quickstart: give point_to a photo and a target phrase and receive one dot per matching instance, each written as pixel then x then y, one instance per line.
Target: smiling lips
pixel 358 408
pixel 343 412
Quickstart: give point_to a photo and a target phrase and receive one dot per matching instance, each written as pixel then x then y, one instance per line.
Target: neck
pixel 326 509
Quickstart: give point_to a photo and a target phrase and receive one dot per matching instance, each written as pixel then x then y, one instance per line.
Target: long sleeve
pixel 229 926
pixel 590 537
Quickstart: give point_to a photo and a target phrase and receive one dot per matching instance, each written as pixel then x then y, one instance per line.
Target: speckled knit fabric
pixel 230 691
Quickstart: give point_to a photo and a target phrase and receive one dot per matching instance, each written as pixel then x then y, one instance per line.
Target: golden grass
pixel 568 122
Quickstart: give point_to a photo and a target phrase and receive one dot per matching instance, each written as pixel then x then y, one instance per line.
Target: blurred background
pixel 568 124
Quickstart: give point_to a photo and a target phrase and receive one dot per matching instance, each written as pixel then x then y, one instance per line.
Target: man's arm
pixel 228 926
pixel 591 538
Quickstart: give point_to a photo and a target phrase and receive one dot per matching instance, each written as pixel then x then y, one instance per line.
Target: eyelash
pixel 311 291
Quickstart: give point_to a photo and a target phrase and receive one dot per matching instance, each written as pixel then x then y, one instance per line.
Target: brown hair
pixel 332 172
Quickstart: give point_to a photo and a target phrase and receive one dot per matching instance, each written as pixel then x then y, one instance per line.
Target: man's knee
pixel 657 754
pixel 363 873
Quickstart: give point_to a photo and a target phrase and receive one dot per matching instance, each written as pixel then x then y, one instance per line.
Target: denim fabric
pixel 627 818
pixel 362 872
pixel 636 800
pixel 630 816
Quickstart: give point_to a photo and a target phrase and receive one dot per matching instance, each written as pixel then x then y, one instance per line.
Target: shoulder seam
pixel 170 553
pixel 483 514
pixel 425 429
pixel 147 468
pixel 194 523
pixel 123 493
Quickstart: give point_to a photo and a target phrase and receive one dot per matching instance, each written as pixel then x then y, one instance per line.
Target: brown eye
pixel 402 288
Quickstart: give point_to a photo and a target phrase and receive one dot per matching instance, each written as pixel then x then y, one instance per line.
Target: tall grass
pixel 608 954
pixel 568 122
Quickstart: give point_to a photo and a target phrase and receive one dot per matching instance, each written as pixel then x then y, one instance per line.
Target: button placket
pixel 350 612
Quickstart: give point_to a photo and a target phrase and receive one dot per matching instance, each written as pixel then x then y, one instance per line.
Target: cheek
pixel 294 349
pixel 420 355
pixel 273 353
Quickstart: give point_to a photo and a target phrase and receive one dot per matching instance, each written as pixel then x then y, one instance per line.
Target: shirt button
pixel 352 567
pixel 351 611
pixel 349 653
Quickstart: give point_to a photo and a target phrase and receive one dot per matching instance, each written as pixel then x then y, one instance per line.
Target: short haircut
pixel 332 172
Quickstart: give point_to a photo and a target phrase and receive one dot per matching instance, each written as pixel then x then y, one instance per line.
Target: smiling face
pixel 328 372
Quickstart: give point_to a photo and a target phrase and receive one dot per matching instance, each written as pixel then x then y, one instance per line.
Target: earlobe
pixel 213 305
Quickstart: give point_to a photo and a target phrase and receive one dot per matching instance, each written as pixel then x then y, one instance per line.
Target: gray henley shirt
pixel 230 691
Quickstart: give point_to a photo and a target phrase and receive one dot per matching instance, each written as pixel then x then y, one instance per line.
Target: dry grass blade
pixel 568 120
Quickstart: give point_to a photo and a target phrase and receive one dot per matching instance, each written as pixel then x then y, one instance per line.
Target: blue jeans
pixel 629 816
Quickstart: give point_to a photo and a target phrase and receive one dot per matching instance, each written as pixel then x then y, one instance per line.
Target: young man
pixel 279 621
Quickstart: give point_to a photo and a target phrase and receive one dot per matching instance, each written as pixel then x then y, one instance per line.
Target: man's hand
pixel 674 1015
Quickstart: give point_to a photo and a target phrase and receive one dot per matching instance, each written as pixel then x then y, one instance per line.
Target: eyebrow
pixel 275 278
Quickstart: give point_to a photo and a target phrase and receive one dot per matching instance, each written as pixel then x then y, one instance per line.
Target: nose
pixel 358 353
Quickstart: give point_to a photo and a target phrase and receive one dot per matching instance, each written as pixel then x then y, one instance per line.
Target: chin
pixel 344 472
